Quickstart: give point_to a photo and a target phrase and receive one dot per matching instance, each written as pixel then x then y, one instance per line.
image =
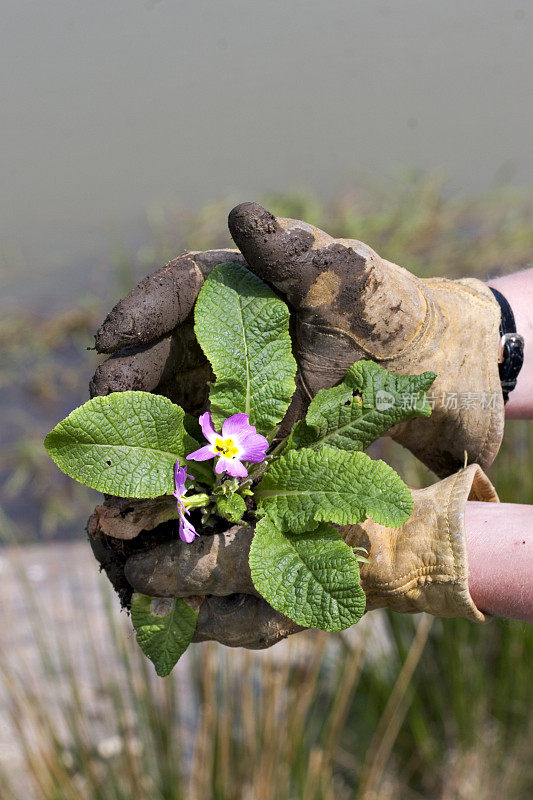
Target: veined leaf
pixel 164 627
pixel 311 577
pixel 231 507
pixel 125 444
pixel 367 404
pixel 243 329
pixel 309 486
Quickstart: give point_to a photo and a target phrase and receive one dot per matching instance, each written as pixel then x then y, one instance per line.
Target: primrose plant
pixel 296 492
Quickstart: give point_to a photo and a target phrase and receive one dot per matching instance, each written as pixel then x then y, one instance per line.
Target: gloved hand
pixel 347 303
pixel 420 566
pixel 151 338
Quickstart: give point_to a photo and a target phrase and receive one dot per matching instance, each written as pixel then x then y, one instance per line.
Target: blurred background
pixel 128 131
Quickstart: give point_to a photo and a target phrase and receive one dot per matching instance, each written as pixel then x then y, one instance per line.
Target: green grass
pixel 428 709
pixel 401 707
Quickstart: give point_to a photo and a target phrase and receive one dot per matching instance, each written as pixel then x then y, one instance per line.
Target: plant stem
pixel 196 500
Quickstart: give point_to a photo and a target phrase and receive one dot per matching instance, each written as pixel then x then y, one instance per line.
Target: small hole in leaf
pixel 108 463
pixel 348 403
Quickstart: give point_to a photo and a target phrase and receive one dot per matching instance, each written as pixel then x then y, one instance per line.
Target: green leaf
pixel 125 444
pixel 231 507
pixel 164 628
pixel 368 403
pixel 308 486
pixel 311 577
pixel 243 329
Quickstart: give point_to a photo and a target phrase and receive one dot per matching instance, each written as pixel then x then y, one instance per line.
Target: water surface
pixel 109 108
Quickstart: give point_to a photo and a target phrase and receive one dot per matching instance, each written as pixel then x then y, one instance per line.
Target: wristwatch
pixel 511 350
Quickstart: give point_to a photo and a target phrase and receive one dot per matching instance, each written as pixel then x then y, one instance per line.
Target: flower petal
pixel 237 425
pixel 222 464
pixel 205 452
pixel 180 476
pixel 232 466
pixel 253 448
pixel 207 427
pixel 186 530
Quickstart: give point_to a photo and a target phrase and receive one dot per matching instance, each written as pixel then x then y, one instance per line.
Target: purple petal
pixel 221 465
pixel 186 530
pixel 237 426
pixel 203 453
pixel 207 427
pixel 180 476
pixel 232 466
pixel 253 448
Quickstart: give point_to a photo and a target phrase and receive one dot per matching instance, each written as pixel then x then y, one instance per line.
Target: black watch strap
pixel 511 346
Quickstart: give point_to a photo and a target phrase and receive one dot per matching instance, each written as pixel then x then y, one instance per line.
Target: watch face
pixel 512 349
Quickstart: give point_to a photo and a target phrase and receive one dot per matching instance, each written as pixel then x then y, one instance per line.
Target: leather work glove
pixel 347 304
pixel 420 566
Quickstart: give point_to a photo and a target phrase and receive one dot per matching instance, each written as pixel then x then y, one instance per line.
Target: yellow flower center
pixel 226 447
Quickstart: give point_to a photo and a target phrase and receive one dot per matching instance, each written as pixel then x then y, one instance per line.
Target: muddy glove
pixel 153 348
pixel 347 303
pixel 151 338
pixel 420 566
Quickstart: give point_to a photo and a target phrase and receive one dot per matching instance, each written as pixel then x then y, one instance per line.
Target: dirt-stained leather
pixel 423 565
pixel 348 303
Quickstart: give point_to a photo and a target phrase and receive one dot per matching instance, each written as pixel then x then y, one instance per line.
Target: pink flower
pixel 238 442
pixel 186 529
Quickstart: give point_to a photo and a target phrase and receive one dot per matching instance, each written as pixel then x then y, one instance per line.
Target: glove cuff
pixel 448 593
pixel 423 565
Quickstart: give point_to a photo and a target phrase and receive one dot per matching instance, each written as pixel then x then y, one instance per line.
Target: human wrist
pixel 500 557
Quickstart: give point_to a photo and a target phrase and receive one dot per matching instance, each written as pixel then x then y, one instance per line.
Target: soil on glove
pixel 112 553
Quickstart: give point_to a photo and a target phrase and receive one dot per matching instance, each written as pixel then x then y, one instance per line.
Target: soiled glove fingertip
pixel 134 368
pixel 117 330
pixel 251 219
pixel 241 620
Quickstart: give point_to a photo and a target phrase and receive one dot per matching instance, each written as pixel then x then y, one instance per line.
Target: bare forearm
pixel 499 540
